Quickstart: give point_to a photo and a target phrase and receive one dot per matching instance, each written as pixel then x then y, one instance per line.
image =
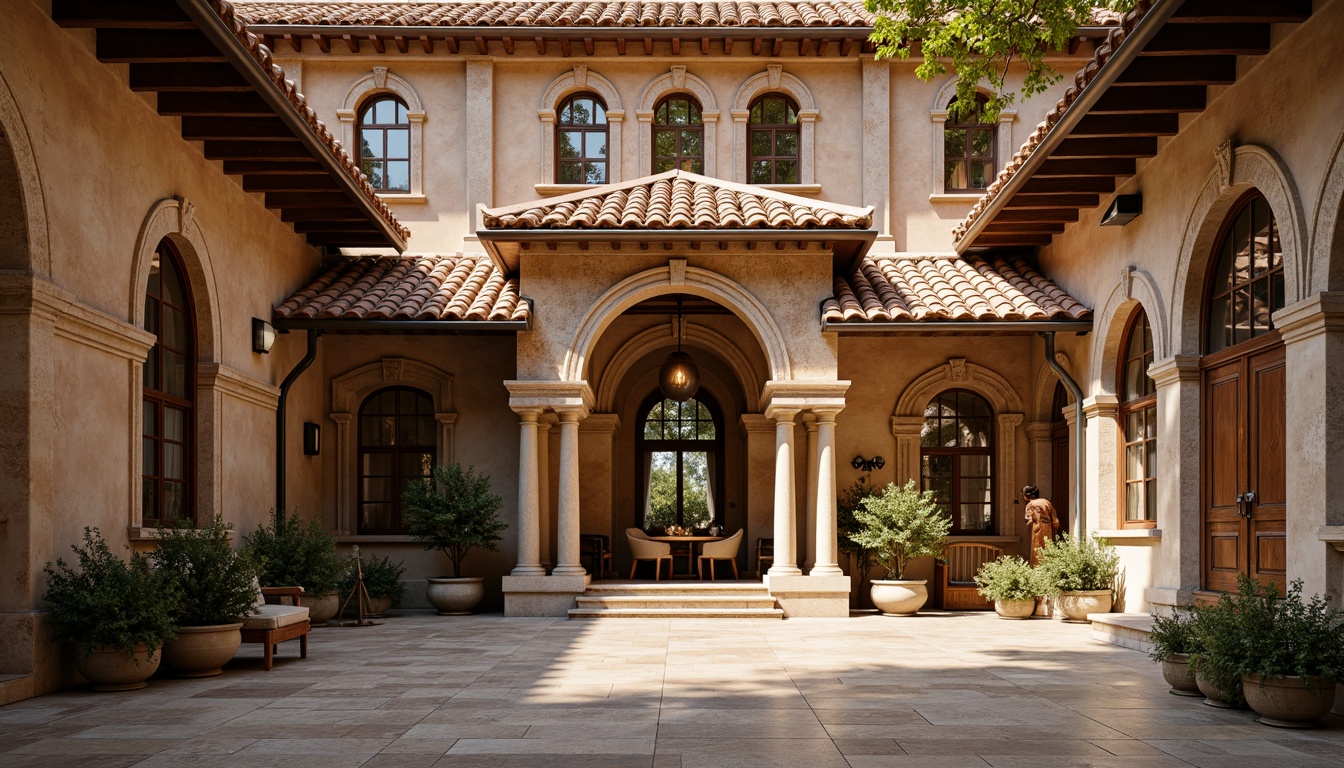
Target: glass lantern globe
pixel 679 378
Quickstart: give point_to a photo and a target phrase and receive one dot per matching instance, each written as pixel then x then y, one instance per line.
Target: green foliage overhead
pixel 1084 564
pixel 382 578
pixel 1008 578
pixel 109 601
pixel 1173 634
pixel 289 553
pixel 900 524
pixel 218 582
pixel 454 512
pixel 980 40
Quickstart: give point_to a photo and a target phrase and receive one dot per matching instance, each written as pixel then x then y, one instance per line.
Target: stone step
pixel 661 588
pixel 676 613
pixel 1128 630
pixel 675 601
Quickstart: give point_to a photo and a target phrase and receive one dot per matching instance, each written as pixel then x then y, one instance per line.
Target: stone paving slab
pixel 938 690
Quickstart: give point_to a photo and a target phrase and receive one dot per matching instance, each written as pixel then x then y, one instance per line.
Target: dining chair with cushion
pixel 597 548
pixel 643 548
pixel 720 550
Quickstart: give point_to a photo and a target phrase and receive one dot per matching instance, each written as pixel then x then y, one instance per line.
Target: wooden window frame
pixel 582 159
pixel 1144 404
pixel 1271 276
pixel 645 446
pixel 954 502
pixel 362 127
pixel 398 526
pixel 156 401
pixel 795 128
pixel 968 124
pixel 678 158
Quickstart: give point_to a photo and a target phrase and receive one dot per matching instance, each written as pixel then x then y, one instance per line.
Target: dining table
pixel 694 541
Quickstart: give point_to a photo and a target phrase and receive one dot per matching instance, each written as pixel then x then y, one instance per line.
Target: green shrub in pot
pixel 291 553
pixel 454 512
pixel 382 579
pixel 1069 564
pixel 1008 578
pixel 1219 651
pixel 1293 652
pixel 1173 639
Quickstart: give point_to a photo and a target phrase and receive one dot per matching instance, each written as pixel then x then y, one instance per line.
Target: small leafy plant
pixel 109 601
pixel 382 578
pixel 217 582
pixel 1173 634
pixel 454 512
pixel 1069 564
pixel 900 524
pixel 1287 636
pixel 1219 647
pixel 290 553
pixel 1008 578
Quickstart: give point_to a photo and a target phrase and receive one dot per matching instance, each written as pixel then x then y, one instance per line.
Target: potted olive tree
pixel 219 588
pixel 899 525
pixel 1293 653
pixel 1012 584
pixel 1173 640
pixel 117 613
pixel 454 512
pixel 1080 572
pixel 290 553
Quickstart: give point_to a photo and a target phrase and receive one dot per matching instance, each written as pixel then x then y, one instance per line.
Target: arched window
pixel 581 140
pixel 772 140
pixel 169 383
pixel 1138 418
pixel 397 446
pixel 1246 286
pixel 680 462
pixel 678 135
pixel 956 458
pixel 968 152
pixel 385 144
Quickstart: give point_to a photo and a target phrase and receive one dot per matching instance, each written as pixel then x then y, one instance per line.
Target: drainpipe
pixel 308 358
pixel 1078 443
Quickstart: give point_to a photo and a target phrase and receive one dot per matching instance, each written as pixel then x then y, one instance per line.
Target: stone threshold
pixel 1127 630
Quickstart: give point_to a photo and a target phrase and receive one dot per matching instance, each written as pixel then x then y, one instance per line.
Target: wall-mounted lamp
pixel 1124 209
pixel 868 465
pixel 312 439
pixel 263 336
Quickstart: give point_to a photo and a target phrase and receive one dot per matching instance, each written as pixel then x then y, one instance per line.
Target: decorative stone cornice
pixel 1321 313
pixel 600 423
pixel 237 384
pixel 21 293
pixel 800 395
pixel 757 423
pixel 1174 369
pixel 559 396
pixel 1100 405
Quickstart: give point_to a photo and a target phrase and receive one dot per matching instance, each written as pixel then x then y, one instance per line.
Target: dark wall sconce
pixel 1123 209
pixel 868 465
pixel 312 439
pixel 263 336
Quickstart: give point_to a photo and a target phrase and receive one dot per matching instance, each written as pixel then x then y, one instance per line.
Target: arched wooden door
pixel 1244 389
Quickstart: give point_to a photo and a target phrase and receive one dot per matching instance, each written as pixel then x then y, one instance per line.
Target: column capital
pixel 1320 313
pixel 558 396
pixel 1174 369
pixel 570 416
pixel 528 413
pixel 827 413
pixel 782 414
pixel 804 394
pixel 1100 405
pixel 601 423
pixel 907 426
pixel 1010 419
pixel 1039 430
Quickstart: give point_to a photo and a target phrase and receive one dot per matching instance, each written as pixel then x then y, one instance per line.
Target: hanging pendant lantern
pixel 679 377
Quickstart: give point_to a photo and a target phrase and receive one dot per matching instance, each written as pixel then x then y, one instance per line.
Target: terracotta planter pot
pixel 898 597
pixel 1288 702
pixel 455 597
pixel 1076 605
pixel 1217 697
pixel 202 651
pixel 107 668
pixel 321 608
pixel 1178 674
pixel 1015 609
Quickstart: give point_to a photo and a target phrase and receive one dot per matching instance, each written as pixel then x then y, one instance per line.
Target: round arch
pixel 958 374
pixel 381 81
pixel 576 80
pixel 1326 268
pixel 25 244
pixel 677 80
pixel 661 281
pixel 1043 396
pixel 1136 288
pixel 775 79
pixel 174 219
pixel 660 336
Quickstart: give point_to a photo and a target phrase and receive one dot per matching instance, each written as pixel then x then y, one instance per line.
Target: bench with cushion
pixel 272 624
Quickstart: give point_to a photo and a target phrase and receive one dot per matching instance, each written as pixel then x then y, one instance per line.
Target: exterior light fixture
pixel 263 336
pixel 312 439
pixel 868 465
pixel 679 377
pixel 1124 209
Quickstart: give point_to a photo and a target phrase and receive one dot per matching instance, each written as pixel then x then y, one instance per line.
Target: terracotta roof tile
pixel 407 288
pixel 678 200
pixel 940 288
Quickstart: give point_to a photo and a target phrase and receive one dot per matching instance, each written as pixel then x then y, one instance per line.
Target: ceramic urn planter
pixel 455 597
pixel 322 608
pixel 1015 609
pixel 108 669
pixel 1288 702
pixel 1178 674
pixel 1217 697
pixel 899 597
pixel 202 651
pixel 1077 605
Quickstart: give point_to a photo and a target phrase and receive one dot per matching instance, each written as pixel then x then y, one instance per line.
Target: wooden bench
pixel 955 576
pixel 273 624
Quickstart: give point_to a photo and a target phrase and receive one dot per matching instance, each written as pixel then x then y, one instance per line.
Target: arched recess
pixel 1003 149
pixel 677 80
pixel 775 79
pixel 677 278
pixel 1043 396
pixel 907 423
pixel 348 392
pixel 1326 268
pixel 24 239
pixel 382 81
pixel 1237 170
pixel 661 336
pixel 574 81
pixel 1136 288
pixel 173 219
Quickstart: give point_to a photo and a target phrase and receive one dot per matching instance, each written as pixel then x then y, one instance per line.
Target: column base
pixel 542 595
pixel 569 570
pixel 528 570
pixel 782 570
pixel 826 570
pixel 811 596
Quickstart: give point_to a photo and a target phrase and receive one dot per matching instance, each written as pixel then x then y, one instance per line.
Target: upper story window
pixel 1246 286
pixel 1138 417
pixel 581 140
pixel 397 446
pixel 772 140
pixel 956 458
pixel 678 135
pixel 968 152
pixel 169 391
pixel 385 144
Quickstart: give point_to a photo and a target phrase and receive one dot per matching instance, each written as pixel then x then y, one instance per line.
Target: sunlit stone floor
pixel 422 690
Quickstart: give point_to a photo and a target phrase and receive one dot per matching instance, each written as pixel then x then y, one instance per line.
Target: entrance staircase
pixel 664 600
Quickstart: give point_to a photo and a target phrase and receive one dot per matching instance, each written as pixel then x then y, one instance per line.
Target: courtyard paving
pixel 937 690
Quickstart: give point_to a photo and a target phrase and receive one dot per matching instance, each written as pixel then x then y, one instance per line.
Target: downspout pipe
pixel 308 357
pixel 1079 452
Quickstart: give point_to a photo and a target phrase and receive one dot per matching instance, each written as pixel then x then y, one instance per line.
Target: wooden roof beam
pixel 264 183
pixel 509 45
pixel 214 104
pixel 1243 11
pixel 1152 99
pixel 1091 166
pixel 205 128
pixel 1024 227
pixel 588 46
pixel 1061 200
pixel 845 46
pixel 273 167
pixel 402 45
pixel 323 43
pixel 1183 70
pixel 482 47
pixel 128 46
pixel 186 77
pixel 1120 146
pixel 102 14
pixel 351 42
pixel 255 150
pixel 1127 125
pixel 1038 214
pixel 306 199
pixel 1013 239
pixel 295 43
pixel 426 43
pixel 1102 185
pixel 378 44
pixel 1227 39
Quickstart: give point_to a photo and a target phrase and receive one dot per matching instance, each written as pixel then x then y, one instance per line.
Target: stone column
pixel 1103 480
pixel 1006 448
pixel 529 508
pixel 786 552
pixel 1040 436
pixel 827 546
pixel 567 535
pixel 546 529
pixel 907 431
pixel 1176 571
pixel 810 500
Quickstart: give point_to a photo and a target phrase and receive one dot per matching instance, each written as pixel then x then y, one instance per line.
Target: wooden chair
pixel 682 551
pixel 714 551
pixel 597 547
pixel 765 551
pixel 642 548
pixel 955 576
pixel 272 624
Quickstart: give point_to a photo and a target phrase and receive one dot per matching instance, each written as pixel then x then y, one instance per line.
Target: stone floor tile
pixel 983 747
pixel 95 747
pixel 441 731
pixel 917 761
pixel 591 746
pixel 312 747
pixel 850 747
pixel 1126 747
pixel 1109 761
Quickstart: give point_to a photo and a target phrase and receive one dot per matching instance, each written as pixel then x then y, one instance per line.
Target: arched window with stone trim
pixel 168 493
pixel 397 446
pixel 678 135
pixel 1138 424
pixel 773 138
pixel 1246 285
pixel 581 140
pixel 956 457
pixel 385 143
pixel 680 449
pixel 968 151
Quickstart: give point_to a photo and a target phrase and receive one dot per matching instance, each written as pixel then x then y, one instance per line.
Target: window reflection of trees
pixel 1247 283
pixel 680 450
pixel 581 141
pixel 957 458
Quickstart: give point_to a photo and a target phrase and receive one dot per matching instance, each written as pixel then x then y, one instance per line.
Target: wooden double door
pixel 1244 431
